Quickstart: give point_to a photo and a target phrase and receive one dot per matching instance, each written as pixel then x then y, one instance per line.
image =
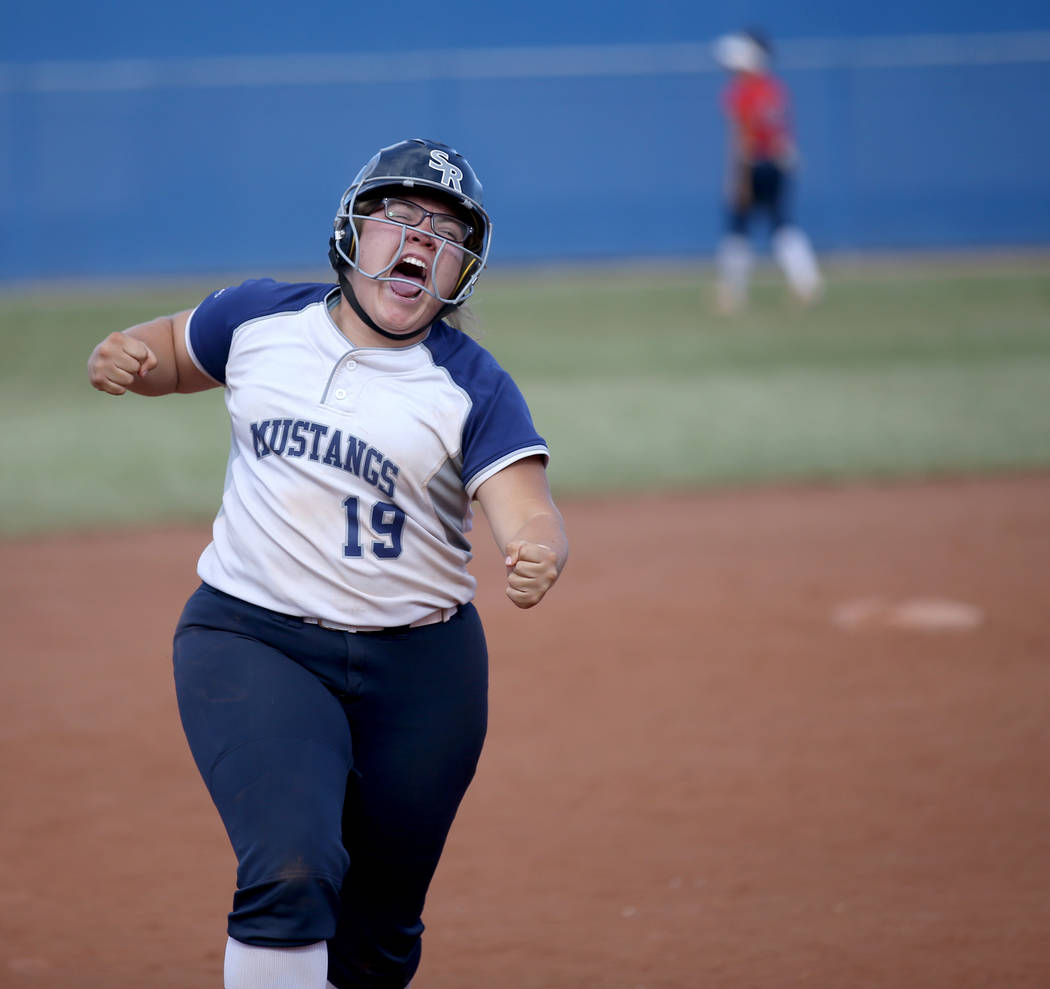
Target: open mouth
pixel 410 274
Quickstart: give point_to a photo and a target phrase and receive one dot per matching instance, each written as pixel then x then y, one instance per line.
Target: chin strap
pixel 351 297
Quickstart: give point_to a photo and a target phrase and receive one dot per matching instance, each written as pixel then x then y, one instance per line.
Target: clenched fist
pixel 117 361
pixel 531 570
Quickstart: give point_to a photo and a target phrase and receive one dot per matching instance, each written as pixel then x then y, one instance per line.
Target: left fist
pixel 531 570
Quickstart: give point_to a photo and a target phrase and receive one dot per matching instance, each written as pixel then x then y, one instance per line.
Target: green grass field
pixel 911 368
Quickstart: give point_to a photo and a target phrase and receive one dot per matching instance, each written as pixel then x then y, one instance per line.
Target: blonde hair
pixel 464 319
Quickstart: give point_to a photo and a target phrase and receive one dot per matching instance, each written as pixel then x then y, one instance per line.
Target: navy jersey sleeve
pixel 212 324
pixel 499 428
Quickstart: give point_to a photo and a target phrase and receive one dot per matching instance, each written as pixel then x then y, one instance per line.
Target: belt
pixel 434 618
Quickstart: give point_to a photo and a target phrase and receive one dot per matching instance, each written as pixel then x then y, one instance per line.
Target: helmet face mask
pixel 426 168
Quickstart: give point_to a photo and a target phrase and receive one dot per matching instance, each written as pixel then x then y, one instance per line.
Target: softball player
pixel 762 156
pixel 331 671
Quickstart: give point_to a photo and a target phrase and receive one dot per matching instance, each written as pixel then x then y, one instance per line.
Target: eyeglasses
pixel 443 224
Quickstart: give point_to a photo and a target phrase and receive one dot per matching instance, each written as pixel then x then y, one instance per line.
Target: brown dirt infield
pixel 762 739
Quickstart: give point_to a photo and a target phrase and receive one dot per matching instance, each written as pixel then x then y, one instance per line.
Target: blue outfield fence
pixel 168 165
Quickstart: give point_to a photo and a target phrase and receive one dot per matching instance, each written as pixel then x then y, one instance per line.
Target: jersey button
pixel 350 365
pixel 340 393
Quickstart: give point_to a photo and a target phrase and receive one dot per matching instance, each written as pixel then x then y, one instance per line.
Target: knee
pixel 294 909
pixel 367 957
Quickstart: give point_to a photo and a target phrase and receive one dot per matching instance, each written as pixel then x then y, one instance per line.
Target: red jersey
pixel 758 108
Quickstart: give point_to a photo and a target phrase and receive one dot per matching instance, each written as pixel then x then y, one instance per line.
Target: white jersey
pixel 351 470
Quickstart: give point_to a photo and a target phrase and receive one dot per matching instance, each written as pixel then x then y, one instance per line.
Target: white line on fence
pixel 262 71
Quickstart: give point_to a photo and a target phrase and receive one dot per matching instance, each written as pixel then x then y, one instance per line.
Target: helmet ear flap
pixel 346 232
pixel 344 239
pixel 467 268
pixel 333 255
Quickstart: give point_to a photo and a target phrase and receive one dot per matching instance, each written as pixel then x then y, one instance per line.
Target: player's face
pixel 401 306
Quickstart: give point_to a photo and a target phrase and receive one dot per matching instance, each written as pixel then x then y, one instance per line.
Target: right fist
pixel 117 361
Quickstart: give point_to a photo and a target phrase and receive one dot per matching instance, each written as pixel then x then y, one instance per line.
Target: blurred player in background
pixel 762 156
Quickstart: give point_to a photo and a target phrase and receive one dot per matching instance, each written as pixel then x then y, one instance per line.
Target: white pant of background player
pixel 793 254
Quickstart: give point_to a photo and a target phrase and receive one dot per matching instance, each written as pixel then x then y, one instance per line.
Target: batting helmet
pixel 426 167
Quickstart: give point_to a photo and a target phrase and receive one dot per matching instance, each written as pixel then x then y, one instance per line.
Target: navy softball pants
pixel 337 762
pixel 770 185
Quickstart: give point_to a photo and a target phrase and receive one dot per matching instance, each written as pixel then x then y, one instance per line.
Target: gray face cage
pixel 346 227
